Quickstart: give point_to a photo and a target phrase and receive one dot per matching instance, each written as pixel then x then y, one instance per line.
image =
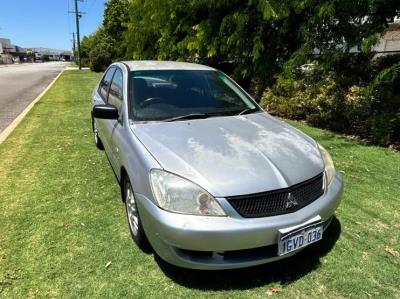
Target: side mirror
pixel 105 112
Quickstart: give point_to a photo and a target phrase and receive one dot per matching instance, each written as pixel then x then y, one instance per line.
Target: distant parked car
pixel 207 177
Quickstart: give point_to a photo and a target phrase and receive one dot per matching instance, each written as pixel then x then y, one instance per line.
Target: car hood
pixel 233 155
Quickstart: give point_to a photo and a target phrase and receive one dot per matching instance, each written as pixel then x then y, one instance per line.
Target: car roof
pixel 142 65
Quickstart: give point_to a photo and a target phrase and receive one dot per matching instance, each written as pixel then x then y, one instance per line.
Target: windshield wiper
pixel 188 116
pixel 247 110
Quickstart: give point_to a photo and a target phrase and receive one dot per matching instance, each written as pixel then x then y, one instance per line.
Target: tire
pixel 97 140
pixel 134 222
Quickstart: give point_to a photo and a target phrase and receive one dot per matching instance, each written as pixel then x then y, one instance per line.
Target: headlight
pixel 329 167
pixel 176 194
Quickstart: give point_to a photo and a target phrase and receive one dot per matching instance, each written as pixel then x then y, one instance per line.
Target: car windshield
pixel 169 95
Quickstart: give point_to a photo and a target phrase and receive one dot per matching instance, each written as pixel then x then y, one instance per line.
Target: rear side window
pixel 105 83
pixel 116 91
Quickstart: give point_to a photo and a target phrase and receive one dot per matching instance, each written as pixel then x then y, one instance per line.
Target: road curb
pixel 11 127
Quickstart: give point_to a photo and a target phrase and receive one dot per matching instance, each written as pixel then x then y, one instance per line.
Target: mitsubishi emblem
pixel 291 201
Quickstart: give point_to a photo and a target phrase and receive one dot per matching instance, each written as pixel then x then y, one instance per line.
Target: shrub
pixel 100 57
pixel 45 58
pixel 384 122
pixel 98 50
pixel 85 62
pixel 328 100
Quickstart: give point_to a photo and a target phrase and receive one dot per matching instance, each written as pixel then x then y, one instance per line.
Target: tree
pixel 264 43
pixel 106 45
pixel 45 57
pixel 252 37
pixel 116 17
pixel 252 40
pixel 334 27
pixel 256 38
pixel 97 50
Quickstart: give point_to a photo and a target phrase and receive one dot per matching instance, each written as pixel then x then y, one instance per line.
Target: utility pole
pixel 73 43
pixel 78 15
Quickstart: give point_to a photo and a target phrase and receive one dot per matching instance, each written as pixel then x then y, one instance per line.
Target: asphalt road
pixel 21 84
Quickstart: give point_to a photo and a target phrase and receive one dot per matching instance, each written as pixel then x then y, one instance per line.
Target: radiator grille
pixel 277 202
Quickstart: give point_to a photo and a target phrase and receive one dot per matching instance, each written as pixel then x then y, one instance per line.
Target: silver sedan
pixel 209 179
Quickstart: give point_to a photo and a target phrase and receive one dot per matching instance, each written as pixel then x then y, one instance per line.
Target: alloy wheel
pixel 131 208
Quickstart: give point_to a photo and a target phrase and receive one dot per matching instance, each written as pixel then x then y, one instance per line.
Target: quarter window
pixel 116 91
pixel 106 82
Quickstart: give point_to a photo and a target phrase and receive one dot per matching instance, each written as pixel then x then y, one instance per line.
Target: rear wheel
pixel 97 139
pixel 134 221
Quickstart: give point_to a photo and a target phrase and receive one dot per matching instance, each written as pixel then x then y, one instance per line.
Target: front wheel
pixel 135 224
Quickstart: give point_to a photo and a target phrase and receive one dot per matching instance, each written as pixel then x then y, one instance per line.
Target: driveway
pixel 21 84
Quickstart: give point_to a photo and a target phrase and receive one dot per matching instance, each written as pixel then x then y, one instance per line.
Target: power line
pixel 68 18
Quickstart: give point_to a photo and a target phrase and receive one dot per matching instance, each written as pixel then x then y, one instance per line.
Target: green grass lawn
pixel 62 221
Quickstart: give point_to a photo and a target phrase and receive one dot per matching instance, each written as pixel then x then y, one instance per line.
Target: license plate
pixel 299 238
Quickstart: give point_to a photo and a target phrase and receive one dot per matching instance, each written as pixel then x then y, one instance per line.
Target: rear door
pixel 101 98
pixel 113 127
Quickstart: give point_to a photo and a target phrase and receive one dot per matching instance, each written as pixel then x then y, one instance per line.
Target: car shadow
pixel 284 272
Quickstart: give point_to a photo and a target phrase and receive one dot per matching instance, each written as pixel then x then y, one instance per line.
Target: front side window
pixel 168 94
pixel 105 83
pixel 115 94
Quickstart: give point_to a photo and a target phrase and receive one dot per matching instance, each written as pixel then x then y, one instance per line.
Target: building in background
pixel 6 46
pixel 10 53
pixel 389 43
pixel 49 54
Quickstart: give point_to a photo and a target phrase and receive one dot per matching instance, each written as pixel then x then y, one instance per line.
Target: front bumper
pixel 201 242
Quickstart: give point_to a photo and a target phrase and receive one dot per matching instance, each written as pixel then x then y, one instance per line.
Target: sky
pixel 47 23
